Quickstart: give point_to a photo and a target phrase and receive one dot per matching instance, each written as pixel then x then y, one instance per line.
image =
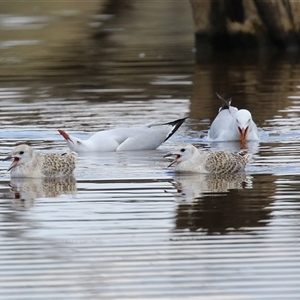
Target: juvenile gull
pixel 27 163
pixel 187 158
pixel 146 137
pixel 232 124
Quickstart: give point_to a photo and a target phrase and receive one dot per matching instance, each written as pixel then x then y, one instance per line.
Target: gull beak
pixel 14 163
pixel 243 133
pixel 65 135
pixel 175 157
pixel 7 158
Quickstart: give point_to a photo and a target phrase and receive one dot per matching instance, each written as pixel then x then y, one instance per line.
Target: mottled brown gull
pixel 187 158
pixel 27 163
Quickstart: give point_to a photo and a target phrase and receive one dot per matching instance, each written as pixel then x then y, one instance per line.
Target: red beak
pixel 177 156
pixel 14 163
pixel 243 133
pixel 65 135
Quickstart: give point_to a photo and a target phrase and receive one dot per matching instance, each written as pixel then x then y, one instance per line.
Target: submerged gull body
pixel 146 137
pixel 187 158
pixel 232 124
pixel 27 163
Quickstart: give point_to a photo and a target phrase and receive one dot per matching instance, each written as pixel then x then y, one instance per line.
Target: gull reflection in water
pixel 26 190
pixel 194 186
pixel 251 146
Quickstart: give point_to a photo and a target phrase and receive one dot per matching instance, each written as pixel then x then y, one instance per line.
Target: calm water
pixel 126 226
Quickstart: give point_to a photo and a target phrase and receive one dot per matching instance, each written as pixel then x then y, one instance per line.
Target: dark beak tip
pixel 170 154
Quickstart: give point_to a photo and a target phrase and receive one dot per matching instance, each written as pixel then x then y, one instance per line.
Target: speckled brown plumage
pixel 221 162
pixel 189 159
pixel 27 163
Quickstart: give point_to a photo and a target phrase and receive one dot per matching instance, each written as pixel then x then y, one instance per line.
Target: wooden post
pixel 231 24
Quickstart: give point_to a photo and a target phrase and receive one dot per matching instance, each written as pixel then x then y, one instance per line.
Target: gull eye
pixel 182 150
pixel 21 152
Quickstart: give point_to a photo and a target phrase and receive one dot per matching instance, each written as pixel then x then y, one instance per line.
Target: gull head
pixel 22 154
pixel 243 121
pixel 182 153
pixel 74 143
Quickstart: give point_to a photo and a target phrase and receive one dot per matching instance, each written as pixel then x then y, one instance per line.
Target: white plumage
pixel 187 158
pixel 27 163
pixel 146 137
pixel 232 124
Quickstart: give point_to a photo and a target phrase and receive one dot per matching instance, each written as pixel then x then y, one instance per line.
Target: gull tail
pixel 225 103
pixel 176 124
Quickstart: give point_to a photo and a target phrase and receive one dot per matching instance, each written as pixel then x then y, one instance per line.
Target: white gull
pixel 146 137
pixel 232 124
pixel 187 158
pixel 27 163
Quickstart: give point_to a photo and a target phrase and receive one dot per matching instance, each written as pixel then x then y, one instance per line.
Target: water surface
pixel 126 226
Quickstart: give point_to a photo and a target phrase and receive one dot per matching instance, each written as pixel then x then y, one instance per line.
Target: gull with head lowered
pixel 146 137
pixel 232 124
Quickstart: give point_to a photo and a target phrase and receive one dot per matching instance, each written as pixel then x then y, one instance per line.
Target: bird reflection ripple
pixel 25 191
pixel 194 186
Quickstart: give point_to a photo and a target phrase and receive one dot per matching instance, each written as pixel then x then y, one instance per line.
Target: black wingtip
pixel 176 124
pixel 225 103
